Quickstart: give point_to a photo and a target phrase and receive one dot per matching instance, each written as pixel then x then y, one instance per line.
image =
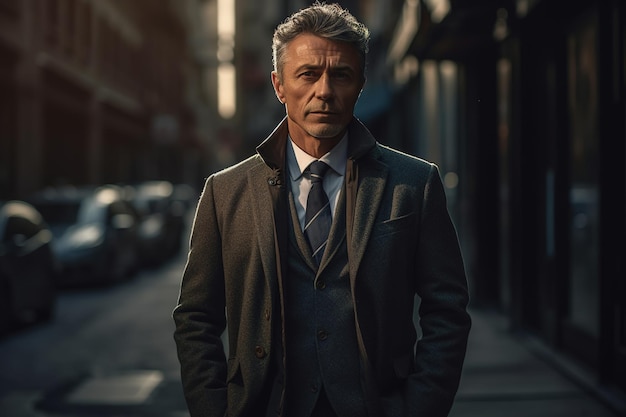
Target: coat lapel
pixel 270 208
pixel 372 178
pixel 266 208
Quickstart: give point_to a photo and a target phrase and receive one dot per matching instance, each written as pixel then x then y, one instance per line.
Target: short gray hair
pixel 329 21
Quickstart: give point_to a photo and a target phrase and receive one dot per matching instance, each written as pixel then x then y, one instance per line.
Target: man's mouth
pixel 323 113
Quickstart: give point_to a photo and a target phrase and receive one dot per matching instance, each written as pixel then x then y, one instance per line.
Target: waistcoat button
pixel 259 352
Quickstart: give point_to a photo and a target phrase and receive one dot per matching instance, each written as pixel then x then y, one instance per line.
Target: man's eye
pixel 341 75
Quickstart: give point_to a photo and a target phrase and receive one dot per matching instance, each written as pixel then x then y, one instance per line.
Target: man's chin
pixel 328 132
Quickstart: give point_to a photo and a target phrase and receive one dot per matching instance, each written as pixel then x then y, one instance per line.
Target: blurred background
pixel 113 112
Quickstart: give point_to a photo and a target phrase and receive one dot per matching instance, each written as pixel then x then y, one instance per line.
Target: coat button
pixel 322 335
pixel 259 352
pixel 320 284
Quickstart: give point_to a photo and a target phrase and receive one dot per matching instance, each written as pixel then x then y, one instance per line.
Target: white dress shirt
pixel 297 163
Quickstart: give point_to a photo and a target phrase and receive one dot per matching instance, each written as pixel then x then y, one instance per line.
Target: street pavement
pixel 507 376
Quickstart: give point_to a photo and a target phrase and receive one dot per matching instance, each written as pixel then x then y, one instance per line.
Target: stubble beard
pixel 326 132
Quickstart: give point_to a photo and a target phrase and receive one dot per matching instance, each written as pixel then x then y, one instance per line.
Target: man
pixel 320 322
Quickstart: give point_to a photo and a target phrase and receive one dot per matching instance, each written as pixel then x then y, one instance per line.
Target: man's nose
pixel 324 87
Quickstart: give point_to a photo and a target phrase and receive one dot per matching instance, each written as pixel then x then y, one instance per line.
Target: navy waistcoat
pixel 321 345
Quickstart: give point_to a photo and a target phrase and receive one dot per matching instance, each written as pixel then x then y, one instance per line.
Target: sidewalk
pixel 502 377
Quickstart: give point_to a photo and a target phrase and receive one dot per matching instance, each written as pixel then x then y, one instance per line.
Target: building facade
pixel 94 92
pixel 522 103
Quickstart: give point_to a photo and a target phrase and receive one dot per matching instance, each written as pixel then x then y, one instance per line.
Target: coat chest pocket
pixel 402 224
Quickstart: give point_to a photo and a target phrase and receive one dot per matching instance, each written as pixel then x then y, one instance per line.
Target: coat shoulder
pixel 240 168
pixel 394 157
pixel 407 168
pixel 238 173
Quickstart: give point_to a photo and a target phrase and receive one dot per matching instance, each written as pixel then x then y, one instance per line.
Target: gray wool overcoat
pixel 401 242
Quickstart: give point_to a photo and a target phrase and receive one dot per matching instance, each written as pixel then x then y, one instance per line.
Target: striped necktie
pixel 318 216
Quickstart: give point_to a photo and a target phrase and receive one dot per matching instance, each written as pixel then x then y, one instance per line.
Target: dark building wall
pixel 540 142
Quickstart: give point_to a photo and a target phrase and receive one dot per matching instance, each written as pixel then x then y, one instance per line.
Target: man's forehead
pixel 316 50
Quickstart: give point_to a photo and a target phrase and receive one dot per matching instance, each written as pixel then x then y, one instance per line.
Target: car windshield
pixel 59 212
pixel 151 205
pixel 93 211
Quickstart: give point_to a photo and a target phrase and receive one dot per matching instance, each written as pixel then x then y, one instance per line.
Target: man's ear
pixel 278 87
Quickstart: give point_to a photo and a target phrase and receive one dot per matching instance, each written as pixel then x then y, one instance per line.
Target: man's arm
pixel 200 315
pixel 445 323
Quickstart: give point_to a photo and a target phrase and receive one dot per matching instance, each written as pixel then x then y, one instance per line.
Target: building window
pixel 584 295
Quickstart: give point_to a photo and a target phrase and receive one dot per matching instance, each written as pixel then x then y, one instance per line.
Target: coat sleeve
pixel 445 323
pixel 199 315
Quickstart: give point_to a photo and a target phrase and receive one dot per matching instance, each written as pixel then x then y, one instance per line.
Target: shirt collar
pixel 298 160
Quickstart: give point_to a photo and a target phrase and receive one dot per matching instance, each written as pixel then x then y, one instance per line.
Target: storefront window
pixel 583 103
pixel 504 73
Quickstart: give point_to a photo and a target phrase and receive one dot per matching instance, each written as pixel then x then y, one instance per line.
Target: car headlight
pixel 83 236
pixel 151 227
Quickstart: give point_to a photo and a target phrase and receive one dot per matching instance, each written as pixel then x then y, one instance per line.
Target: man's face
pixel 320 83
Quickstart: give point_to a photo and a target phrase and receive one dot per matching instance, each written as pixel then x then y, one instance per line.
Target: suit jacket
pixel 401 243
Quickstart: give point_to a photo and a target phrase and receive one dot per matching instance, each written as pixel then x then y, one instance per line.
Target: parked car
pixel 95 231
pixel 28 268
pixel 162 219
pixel 186 195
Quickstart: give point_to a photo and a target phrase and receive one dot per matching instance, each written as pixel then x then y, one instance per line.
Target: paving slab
pixel 502 377
pixel 127 388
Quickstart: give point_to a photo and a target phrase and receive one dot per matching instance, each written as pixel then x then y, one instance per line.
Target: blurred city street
pixel 110 352
pixel 107 351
